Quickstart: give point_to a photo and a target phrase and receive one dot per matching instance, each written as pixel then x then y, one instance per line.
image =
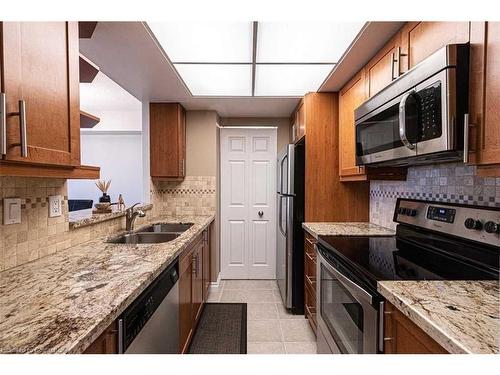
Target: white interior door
pixel 248 203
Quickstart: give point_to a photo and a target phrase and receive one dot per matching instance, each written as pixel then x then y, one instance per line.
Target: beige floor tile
pixel 300 348
pixel 277 296
pixel 261 311
pixel 259 296
pixel 285 314
pixel 214 296
pixel 296 330
pixel 233 296
pixel 250 284
pixel 265 348
pixel 263 331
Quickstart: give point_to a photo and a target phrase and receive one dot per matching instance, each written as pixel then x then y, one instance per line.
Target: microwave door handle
pixel 402 120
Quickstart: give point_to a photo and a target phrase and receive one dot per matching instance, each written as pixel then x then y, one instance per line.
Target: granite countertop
pixel 61 303
pixel 347 229
pixel 83 218
pixel 462 316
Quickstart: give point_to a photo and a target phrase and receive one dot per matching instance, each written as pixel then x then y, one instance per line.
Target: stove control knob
pixel 492 227
pixel 471 223
pixel 413 212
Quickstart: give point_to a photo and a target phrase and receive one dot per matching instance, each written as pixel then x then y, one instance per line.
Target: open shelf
pixel 88 70
pixel 88 121
pixel 86 29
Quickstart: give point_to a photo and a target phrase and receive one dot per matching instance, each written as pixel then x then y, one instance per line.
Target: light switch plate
pixel 55 205
pixel 11 211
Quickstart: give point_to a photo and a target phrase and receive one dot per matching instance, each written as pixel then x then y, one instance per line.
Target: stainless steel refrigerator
pixel 290 236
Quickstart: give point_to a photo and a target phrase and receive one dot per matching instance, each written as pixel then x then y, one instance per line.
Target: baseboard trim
pixel 215 284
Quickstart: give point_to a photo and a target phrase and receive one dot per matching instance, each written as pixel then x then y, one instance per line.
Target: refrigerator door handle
pixel 285 157
pixel 280 215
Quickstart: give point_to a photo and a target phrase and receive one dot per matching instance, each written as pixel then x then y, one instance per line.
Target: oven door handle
pixel 357 292
pixel 402 120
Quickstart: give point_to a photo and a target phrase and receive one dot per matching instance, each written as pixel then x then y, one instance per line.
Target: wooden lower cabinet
pixel 402 336
pixel 310 280
pixel 185 299
pixel 193 291
pixel 107 343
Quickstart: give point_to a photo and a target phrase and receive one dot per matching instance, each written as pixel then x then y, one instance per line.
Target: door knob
pixel 261 213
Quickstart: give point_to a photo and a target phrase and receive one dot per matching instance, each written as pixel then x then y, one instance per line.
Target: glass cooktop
pixel 412 258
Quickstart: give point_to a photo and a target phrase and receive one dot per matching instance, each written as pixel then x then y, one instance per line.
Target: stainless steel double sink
pixel 155 233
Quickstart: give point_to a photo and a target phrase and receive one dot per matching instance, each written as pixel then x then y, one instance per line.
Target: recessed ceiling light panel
pixel 304 42
pixel 217 79
pixel 218 42
pixel 289 80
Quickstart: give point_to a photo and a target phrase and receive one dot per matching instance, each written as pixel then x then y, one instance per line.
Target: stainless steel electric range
pixel 433 241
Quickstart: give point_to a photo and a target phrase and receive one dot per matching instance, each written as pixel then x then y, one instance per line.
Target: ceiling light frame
pixel 253 63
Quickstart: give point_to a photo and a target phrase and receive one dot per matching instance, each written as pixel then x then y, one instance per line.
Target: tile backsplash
pixel 456 183
pixel 39 235
pixel 195 195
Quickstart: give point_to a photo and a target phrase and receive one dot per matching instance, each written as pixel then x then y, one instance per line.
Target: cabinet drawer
pixel 310 308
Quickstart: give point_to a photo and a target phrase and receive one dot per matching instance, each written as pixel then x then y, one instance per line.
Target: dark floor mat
pixel 222 329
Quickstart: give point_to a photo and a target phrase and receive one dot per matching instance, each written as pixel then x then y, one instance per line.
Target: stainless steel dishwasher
pixel 150 325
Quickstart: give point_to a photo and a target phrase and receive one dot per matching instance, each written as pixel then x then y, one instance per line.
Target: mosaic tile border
pixel 183 191
pixel 439 197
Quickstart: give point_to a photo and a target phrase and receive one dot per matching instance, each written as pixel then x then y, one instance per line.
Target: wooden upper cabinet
pixel 384 67
pixel 298 122
pixel 351 96
pixel 301 120
pixel 40 67
pixel 483 99
pixel 421 39
pixel 167 140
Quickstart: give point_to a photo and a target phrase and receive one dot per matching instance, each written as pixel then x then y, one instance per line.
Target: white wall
pixel 115 144
pixel 119 154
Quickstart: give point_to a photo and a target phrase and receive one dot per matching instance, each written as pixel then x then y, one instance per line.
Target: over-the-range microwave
pixel 420 117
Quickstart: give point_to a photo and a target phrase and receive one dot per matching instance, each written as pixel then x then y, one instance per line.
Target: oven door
pixel 347 319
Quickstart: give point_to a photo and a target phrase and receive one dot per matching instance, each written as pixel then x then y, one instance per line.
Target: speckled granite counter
pixel 83 218
pixel 63 302
pixel 462 316
pixel 346 229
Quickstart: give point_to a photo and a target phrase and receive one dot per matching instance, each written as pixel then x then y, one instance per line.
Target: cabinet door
pixel 197 283
pixel 40 67
pixel 206 263
pixel 185 301
pixel 107 343
pixel 301 121
pixel 489 144
pixel 351 97
pixel 384 67
pixel 402 336
pixel 167 140
pixel 421 39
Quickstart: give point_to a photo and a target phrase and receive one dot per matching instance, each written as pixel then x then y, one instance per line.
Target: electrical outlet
pixel 55 205
pixel 11 211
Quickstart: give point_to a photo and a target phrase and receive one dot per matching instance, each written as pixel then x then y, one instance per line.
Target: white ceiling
pixel 103 94
pixel 128 54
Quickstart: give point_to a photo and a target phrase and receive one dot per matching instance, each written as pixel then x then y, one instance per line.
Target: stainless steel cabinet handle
pixel 3 125
pixel 402 120
pixel 399 54
pixel 467 126
pixel 22 128
pixel 22 123
pixel 394 60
